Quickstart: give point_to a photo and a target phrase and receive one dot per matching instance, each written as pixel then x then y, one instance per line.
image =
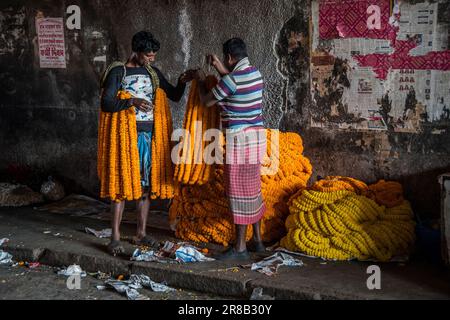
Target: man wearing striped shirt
pixel 239 94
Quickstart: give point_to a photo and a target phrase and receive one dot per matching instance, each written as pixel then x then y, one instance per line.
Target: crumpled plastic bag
pixel 130 287
pixel 5 257
pixel 52 190
pixel 72 271
pixel 105 233
pixel 269 266
pixel 144 256
pixel 189 254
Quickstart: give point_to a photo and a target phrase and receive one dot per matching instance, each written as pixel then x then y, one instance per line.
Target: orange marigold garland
pixel 162 167
pixel 337 183
pixel 198 119
pixel 387 193
pixel 118 155
pixel 201 211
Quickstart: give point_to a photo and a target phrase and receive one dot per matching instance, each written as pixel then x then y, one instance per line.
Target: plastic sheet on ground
pixel 5 257
pixel 130 287
pixel 172 253
pixel 72 271
pixel 269 266
pixel 105 233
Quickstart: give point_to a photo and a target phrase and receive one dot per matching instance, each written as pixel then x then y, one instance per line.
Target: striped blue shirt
pixel 240 96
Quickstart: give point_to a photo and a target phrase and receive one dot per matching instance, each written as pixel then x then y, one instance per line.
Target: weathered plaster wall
pixel 48 118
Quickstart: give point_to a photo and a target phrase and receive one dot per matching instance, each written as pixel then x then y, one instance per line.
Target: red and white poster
pixel 356 19
pixel 52 49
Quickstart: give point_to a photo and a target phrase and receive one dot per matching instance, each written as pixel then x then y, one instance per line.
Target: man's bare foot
pixel 145 241
pixel 115 248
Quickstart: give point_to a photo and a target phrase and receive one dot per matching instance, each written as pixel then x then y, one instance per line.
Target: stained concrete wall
pixel 48 118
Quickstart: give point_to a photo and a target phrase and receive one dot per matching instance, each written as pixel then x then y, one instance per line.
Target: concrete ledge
pixel 25 254
pixel 180 277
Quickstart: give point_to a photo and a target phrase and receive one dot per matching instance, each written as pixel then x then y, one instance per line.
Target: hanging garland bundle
pixel 162 182
pixel 118 156
pixel 198 119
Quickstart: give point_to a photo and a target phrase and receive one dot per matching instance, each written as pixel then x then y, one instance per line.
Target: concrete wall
pixel 48 118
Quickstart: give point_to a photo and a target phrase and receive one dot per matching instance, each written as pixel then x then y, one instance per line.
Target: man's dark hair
pixel 144 41
pixel 235 47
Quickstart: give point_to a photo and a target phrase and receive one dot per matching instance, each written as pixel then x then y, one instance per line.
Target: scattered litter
pixel 57 234
pixel 140 255
pixel 33 265
pixel 105 233
pixel 258 295
pixel 130 287
pixel 100 275
pixel 324 263
pixel 269 266
pixel 101 288
pixel 121 277
pixel 47 232
pixel 171 253
pixel 5 257
pixel 72 271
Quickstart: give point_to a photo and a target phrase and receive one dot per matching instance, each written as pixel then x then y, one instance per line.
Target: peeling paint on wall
pixel 384 73
pixel 292 51
pixel 12 30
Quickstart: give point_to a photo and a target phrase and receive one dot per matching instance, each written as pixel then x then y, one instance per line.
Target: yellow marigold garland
pixel 342 225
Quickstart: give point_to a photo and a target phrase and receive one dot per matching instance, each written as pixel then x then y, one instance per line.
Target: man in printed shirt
pixel 239 95
pixel 139 78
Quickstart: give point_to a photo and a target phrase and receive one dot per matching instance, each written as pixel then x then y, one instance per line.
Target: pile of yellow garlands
pixel 341 218
pixel 198 119
pixel 200 212
pixel 118 156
